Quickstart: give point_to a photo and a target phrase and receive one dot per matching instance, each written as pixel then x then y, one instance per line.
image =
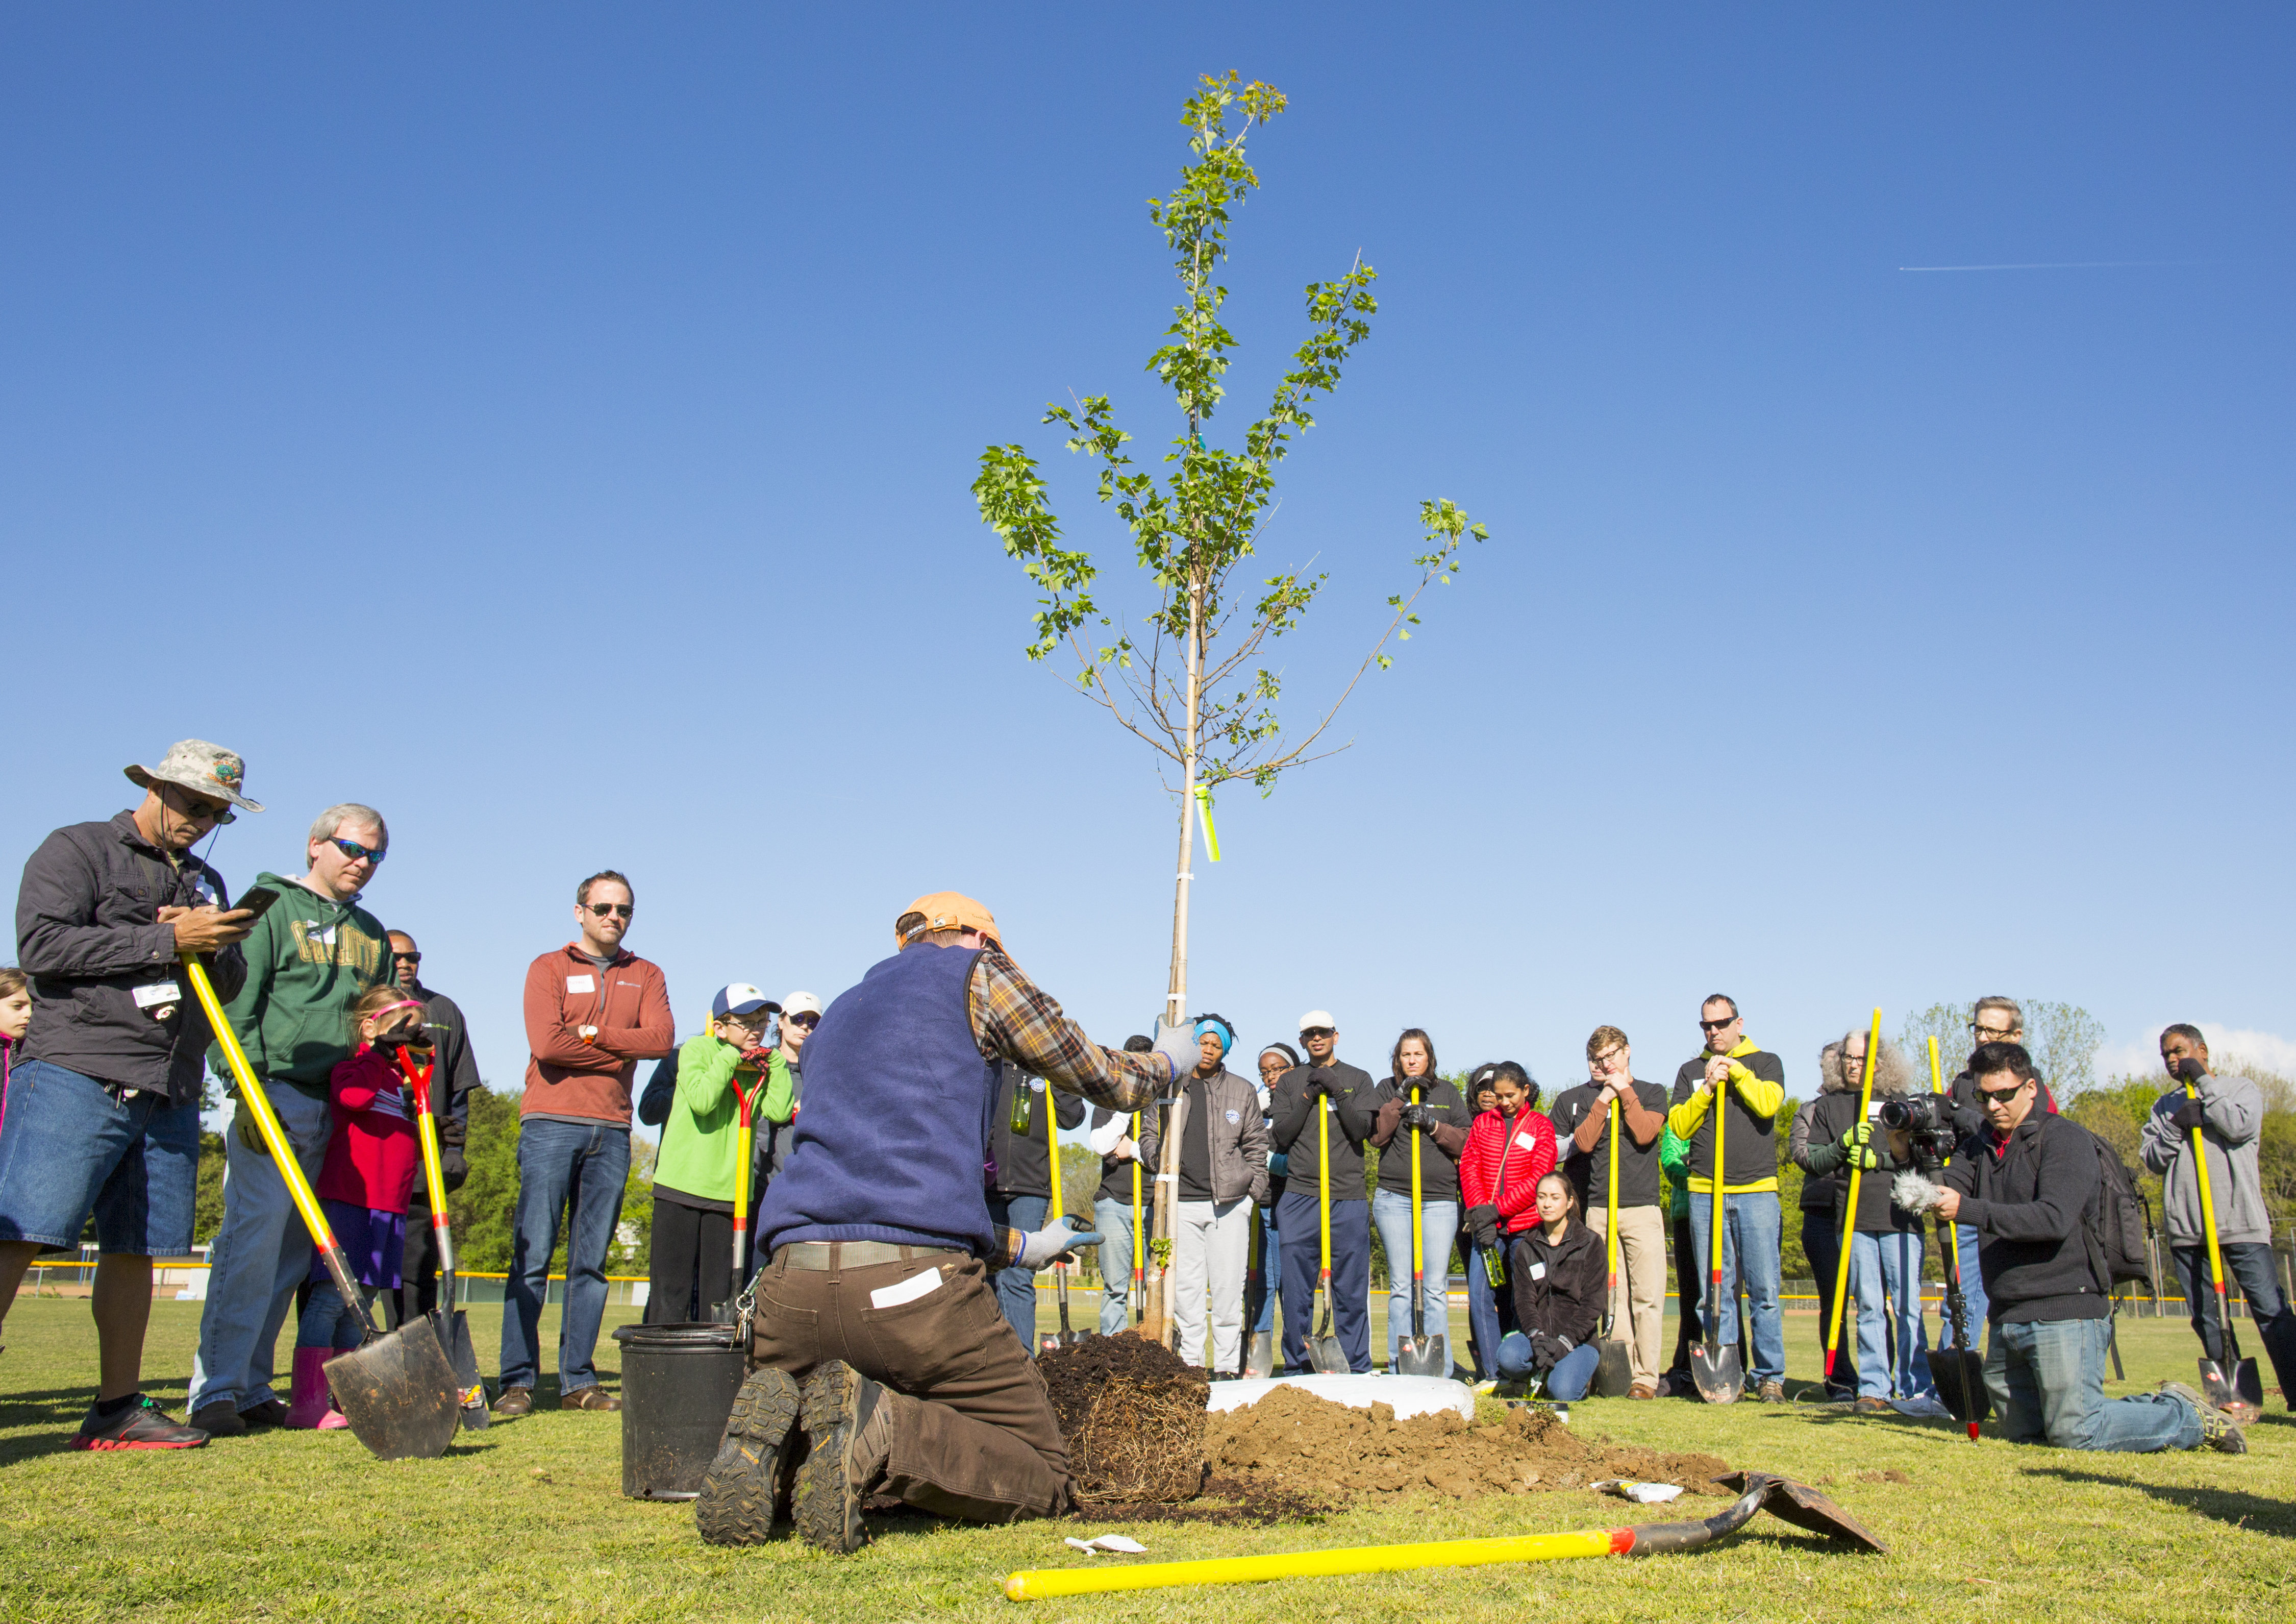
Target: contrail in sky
pixel 2055 264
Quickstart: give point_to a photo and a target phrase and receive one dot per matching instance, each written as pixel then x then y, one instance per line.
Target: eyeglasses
pixel 357 853
pixel 1993 1034
pixel 190 806
pixel 809 1020
pixel 2000 1097
pixel 407 958
pixel 601 909
pixel 1607 1056
pixel 1715 1026
pixel 1319 1031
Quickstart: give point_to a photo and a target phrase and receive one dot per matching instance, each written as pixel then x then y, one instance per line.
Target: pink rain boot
pixel 309 1406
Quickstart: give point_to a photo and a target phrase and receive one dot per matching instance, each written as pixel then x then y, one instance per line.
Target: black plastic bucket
pixel 679 1382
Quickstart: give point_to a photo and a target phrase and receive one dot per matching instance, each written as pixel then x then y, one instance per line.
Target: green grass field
pixel 526 1521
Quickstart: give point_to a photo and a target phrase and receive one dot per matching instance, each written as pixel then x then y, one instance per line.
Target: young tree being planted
pixel 1190 677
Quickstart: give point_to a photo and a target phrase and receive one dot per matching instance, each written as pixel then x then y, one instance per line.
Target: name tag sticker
pixel 156 993
pixel 581 983
pixel 922 1284
pixel 1538 1271
pixel 1523 1141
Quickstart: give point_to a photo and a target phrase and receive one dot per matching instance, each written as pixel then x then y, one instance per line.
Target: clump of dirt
pixel 1133 1414
pixel 1227 1501
pixel 1293 1442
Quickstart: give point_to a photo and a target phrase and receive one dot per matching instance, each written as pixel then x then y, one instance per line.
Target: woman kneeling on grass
pixel 362 1189
pixel 1558 1271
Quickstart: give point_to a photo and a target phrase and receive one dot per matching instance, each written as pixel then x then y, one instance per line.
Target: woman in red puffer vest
pixel 1508 1152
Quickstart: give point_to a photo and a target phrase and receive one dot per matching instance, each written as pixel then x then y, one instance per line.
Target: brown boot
pixel 590 1397
pixel 849 1438
pixel 514 1401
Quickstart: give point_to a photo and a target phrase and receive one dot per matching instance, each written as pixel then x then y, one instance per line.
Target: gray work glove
pixel 1039 1247
pixel 1177 1044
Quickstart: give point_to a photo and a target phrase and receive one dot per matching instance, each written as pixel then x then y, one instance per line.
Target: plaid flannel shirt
pixel 1015 1020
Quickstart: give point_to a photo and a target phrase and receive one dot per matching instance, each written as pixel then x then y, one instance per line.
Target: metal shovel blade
pixel 470 1388
pixel 1614 1368
pixel 1720 1378
pixel 1262 1360
pixel 1959 1375
pixel 2241 1395
pixel 1424 1356
pixel 1323 1347
pixel 398 1393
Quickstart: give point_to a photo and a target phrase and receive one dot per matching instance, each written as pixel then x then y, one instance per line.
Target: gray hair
pixel 323 826
pixel 2008 1006
pixel 1893 1075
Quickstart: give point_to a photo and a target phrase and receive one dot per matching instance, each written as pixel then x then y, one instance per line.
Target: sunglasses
pixel 601 909
pixel 190 806
pixel 1321 1031
pixel 1714 1026
pixel 357 853
pixel 2000 1097
pixel 809 1020
pixel 407 958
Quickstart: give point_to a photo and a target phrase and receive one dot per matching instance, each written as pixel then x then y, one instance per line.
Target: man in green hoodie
pixel 308 960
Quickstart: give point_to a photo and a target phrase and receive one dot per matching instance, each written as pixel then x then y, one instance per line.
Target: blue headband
pixel 1227 1036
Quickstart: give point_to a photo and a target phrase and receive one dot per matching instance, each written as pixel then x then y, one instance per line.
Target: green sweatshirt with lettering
pixel 308 960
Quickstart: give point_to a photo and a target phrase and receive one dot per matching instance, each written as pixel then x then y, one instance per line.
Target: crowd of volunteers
pixel 898 1198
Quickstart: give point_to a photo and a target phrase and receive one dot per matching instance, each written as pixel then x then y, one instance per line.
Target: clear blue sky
pixel 554 426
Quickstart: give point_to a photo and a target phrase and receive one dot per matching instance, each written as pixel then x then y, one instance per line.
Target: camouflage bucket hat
pixel 200 767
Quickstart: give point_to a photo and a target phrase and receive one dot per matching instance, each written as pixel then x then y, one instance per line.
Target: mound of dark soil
pixel 1294 1443
pixel 1134 1417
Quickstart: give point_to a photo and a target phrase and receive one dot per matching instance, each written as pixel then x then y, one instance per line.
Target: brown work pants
pixel 972 1432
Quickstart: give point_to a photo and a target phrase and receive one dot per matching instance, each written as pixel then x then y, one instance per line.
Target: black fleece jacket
pixel 1296 1136
pixel 1559 1285
pixel 1024 1161
pixel 2028 1201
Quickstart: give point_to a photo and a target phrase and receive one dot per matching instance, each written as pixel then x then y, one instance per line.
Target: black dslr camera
pixel 1926 1120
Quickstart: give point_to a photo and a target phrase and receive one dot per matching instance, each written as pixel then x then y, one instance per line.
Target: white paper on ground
pixel 1410 1395
pixel 1108 1542
pixel 1642 1494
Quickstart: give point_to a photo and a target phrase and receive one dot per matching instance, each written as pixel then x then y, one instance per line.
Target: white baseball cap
pixel 740 999
pixel 800 1003
pixel 1314 1018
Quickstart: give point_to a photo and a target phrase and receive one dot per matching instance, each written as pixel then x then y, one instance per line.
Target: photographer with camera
pixel 1886 1242
pixel 2027 1186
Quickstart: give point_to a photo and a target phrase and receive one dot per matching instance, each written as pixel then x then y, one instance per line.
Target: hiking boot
pixel 1774 1391
pixel 2219 1430
pixel 514 1401
pixel 848 1436
pixel 270 1413
pixel 220 1419
pixel 1641 1390
pixel 138 1425
pixel 1868 1405
pixel 590 1397
pixel 748 1488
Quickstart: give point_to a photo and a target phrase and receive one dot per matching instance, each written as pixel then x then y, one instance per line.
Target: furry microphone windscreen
pixel 1914 1193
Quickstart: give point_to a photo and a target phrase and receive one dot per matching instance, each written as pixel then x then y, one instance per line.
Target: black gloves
pixel 454 1169
pixel 1483 1224
pixel 1416 1117
pixel 1546 1352
pixel 2192 1069
pixel 1320 1080
pixel 453 1130
pixel 2188 1115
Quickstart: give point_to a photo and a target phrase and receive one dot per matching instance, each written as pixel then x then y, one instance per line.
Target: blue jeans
pixel 1568 1378
pixel 1016 1287
pixel 1350 1277
pixel 2251 1266
pixel 69 1146
pixel 2047 1382
pixel 1438 1226
pixel 1752 1233
pixel 1260 1295
pixel 1885 1279
pixel 1491 1312
pixel 260 1256
pixel 577 1170
pixel 1972 1290
pixel 1113 1219
pixel 327 1321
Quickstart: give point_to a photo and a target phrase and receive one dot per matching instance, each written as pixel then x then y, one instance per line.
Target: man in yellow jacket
pixel 1750 1084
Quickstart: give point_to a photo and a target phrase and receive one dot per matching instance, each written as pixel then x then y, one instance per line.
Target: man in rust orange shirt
pixel 593 1010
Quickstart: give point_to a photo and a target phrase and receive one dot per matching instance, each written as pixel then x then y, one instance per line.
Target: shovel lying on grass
pixel 396 1389
pixel 1419 1354
pixel 451 1324
pixel 1796 1503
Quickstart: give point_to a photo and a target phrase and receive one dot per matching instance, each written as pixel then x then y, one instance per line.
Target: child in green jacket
pixel 694 1176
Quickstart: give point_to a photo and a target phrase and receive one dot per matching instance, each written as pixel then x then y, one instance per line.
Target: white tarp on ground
pixel 1410 1395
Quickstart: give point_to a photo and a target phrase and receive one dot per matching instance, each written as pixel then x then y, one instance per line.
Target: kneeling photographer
pixel 2029 1185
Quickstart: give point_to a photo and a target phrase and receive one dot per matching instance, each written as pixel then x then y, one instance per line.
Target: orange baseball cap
pixel 948 910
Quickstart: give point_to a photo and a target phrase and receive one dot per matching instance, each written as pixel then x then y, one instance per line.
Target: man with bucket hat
pixel 103 1109
pixel 882 1363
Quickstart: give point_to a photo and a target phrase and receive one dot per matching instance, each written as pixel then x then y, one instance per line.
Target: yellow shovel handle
pixel 2208 1200
pixel 1849 1218
pixel 1418 1245
pixel 1053 1144
pixel 1036 1584
pixel 251 1094
pixel 1323 1177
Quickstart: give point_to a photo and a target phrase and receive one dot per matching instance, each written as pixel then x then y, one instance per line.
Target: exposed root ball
pixel 1134 1417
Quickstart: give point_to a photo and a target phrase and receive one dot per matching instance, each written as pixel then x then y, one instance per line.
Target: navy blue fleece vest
pixel 895 1122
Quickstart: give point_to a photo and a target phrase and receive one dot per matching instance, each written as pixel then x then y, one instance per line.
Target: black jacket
pixel 1439 1147
pixel 457 1074
pixel 87 936
pixel 1559 1285
pixel 1297 1137
pixel 1877 1213
pixel 1024 1161
pixel 2030 1205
